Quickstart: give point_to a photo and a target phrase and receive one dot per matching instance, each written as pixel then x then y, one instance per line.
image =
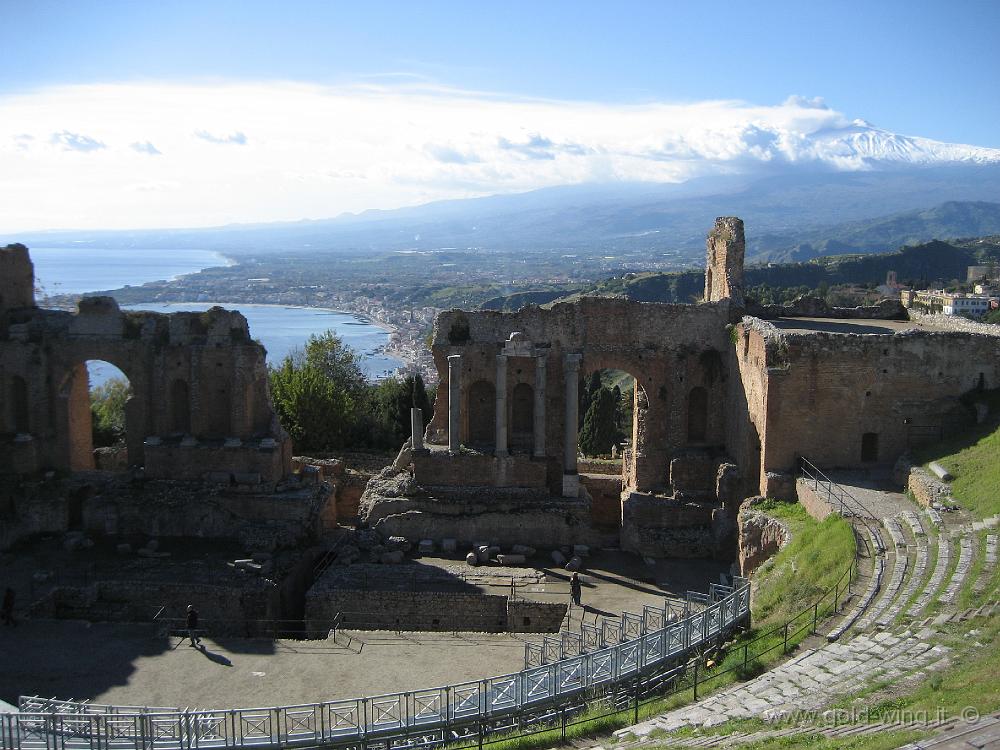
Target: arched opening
pixel 522 418
pixel 606 414
pixel 482 415
pixel 97 396
pixel 697 415
pixel 19 405
pixel 180 407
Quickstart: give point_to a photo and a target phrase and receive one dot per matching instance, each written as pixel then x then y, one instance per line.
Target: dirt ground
pixel 138 664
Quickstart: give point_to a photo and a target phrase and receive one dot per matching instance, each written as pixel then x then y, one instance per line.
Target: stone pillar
pixel 571 374
pixel 539 410
pixel 417 428
pixel 501 399
pixel 454 403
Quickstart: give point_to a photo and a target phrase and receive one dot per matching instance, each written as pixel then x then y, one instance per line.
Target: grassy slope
pixel 974 460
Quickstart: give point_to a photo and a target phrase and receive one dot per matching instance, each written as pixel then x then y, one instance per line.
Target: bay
pixel 82 269
pixel 75 270
pixel 283 329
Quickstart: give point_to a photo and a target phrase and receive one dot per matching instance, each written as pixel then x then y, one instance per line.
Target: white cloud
pixel 306 151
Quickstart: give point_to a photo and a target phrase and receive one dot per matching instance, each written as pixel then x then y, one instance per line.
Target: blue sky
pixel 916 67
pixel 116 114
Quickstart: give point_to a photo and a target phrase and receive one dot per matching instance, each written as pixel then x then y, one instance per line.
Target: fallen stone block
pixel 581 550
pixel 472 559
pixel 483 553
pixel 558 558
pixel 574 564
pixel 523 549
pixel 261 557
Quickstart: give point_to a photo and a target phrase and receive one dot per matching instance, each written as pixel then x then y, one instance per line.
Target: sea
pixel 281 329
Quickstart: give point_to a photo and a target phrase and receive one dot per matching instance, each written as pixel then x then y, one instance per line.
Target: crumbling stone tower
pixel 17 278
pixel 724 265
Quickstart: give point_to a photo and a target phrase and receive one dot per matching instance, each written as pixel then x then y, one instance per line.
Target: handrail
pixel 846 504
pixel 449 707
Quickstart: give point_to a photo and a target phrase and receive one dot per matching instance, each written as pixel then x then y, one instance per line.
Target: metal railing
pixel 430 717
pixel 839 498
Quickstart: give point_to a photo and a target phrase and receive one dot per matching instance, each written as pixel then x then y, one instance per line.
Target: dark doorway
pixel 19 404
pixel 522 417
pixel 869 447
pixel 180 407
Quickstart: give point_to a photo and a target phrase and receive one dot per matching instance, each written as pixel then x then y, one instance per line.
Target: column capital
pixel 572 360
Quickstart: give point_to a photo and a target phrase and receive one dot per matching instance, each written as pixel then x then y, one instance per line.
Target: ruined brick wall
pixel 826 392
pixel 17 278
pixel 724 263
pixel 197 380
pixel 114 505
pixel 670 349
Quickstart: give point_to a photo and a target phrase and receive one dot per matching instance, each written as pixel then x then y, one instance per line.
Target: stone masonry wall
pixel 470 611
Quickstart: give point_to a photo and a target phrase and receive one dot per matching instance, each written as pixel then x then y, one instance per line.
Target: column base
pixel 571 485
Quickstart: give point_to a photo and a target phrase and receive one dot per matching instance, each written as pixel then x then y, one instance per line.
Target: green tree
pixel 599 433
pixel 319 394
pixel 107 411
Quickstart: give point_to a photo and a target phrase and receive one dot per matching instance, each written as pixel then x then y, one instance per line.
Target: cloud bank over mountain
pixel 79 156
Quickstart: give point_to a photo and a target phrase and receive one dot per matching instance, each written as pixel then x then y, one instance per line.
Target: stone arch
pixel 482 414
pixel 697 422
pixel 76 416
pixel 19 405
pixel 180 407
pixel 522 417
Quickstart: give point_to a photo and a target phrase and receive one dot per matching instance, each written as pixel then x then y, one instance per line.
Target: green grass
pixel 972 460
pixel 811 563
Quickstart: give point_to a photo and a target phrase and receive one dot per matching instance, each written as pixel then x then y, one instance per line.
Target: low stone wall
pixel 469 611
pixel 814 307
pixel 599 466
pixel 815 503
pixel 927 490
pixel 438 468
pixel 664 527
pixel 223 610
pixel 760 537
pixel 117 505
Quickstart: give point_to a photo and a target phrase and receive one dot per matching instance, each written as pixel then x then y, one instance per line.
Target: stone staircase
pixel 882 639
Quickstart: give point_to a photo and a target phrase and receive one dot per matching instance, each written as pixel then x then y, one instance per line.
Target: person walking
pixel 191 623
pixel 7 608
pixel 575 588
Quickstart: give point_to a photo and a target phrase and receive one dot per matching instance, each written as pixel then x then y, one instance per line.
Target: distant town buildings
pixel 949 303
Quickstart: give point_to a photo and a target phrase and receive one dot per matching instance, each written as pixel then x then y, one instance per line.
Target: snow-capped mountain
pixel 861 145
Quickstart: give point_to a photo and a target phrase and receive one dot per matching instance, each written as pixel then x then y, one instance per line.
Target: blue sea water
pixel 76 270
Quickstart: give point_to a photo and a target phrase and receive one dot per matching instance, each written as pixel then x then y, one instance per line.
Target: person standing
pixel 191 623
pixel 575 588
pixel 7 608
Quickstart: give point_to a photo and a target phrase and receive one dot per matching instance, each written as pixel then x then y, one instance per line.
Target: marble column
pixel 417 428
pixel 454 403
pixel 501 399
pixel 571 374
pixel 539 410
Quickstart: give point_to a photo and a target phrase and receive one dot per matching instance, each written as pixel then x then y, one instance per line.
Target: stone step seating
pixel 934 517
pixel 988 609
pixel 936 579
pixel 962 568
pixel 918 570
pixel 989 564
pixel 877 547
pixel 810 681
pixel 900 564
